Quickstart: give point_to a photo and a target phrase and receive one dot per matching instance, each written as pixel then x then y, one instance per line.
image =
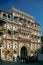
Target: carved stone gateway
pixel 20 35
pixel 23 52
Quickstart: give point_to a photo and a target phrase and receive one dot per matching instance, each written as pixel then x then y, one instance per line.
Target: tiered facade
pixel 18 31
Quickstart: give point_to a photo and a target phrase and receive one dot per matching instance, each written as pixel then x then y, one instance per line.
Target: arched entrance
pixel 23 52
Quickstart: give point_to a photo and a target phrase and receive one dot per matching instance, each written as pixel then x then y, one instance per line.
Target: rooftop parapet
pixel 22 13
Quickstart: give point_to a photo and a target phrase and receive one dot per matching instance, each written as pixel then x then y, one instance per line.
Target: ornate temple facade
pixel 19 34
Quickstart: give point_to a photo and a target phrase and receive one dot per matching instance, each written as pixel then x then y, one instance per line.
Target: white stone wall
pixel 9 46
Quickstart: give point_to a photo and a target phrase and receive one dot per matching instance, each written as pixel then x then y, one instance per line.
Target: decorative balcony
pixel 35 33
pixel 36 40
pixel 5 18
pixel 24 37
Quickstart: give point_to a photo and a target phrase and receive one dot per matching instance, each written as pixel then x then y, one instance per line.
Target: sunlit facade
pixel 18 30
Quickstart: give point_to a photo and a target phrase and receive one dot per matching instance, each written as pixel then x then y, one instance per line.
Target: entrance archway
pixel 23 51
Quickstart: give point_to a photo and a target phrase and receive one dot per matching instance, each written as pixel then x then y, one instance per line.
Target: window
pixel 21 32
pixel 20 18
pixel 3 51
pixel 19 37
pixel 8 16
pixel 15 17
pixel 9 46
pixel 28 22
pixel 24 33
pixel 9 31
pixel 9 43
pixel 24 20
pixel 35 25
pixel 15 32
pixel 14 51
pixel 0 44
pixel 4 14
pixel 15 46
pixel 28 33
pixel 8 51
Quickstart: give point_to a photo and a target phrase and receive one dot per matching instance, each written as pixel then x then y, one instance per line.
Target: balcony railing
pixel 23 36
pixel 32 40
pixel 36 34
pixel 12 20
pixel 36 40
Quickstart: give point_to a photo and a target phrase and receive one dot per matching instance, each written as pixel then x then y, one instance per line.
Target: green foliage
pixel 42 39
pixel 42 45
pixel 1 33
pixel 37 52
pixel 2 22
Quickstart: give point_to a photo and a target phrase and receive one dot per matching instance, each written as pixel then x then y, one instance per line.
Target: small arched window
pixel 14 51
pixel 28 22
pixel 8 51
pixel 35 25
pixel 4 14
pixel 20 19
pixel 9 32
pixel 15 17
pixel 8 16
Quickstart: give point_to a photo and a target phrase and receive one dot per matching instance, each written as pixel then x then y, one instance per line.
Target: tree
pixel 42 44
pixel 42 39
pixel 37 52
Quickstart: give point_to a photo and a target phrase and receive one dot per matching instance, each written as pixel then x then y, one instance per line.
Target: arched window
pixel 14 51
pixel 8 51
pixel 15 17
pixel 35 25
pixel 9 32
pixel 8 16
pixel 20 19
pixel 28 22
pixel 4 14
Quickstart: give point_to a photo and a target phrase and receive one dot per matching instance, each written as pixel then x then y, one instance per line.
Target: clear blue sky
pixel 32 7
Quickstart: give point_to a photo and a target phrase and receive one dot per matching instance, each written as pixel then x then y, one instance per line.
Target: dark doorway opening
pixel 23 52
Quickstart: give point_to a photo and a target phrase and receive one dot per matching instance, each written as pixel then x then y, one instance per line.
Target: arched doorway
pixel 23 52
